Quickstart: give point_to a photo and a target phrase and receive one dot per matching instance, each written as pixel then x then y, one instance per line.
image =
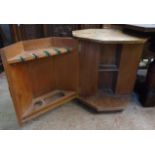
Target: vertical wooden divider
pixel 129 61
pixel 89 63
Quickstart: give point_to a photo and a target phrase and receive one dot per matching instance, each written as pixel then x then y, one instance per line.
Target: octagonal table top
pixel 107 36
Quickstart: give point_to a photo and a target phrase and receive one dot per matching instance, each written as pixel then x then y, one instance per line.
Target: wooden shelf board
pixel 108 67
pixel 108 70
pixel 37 54
pixel 103 102
pixel 48 104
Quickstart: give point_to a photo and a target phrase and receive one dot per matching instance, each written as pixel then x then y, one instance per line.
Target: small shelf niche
pixel 108 67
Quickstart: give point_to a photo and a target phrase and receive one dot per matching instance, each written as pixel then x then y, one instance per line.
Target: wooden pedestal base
pixel 102 102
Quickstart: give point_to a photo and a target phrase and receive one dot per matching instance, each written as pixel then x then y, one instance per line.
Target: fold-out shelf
pixel 48 101
pixel 37 54
pixel 108 67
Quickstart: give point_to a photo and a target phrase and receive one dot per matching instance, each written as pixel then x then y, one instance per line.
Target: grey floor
pixel 74 116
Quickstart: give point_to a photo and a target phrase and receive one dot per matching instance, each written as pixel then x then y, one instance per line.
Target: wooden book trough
pixel 42 74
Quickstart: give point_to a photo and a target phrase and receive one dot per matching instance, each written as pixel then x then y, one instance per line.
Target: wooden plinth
pixel 104 102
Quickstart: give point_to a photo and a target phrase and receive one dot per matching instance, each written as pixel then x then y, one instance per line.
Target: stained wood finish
pixel 107 81
pixel 109 36
pixel 129 62
pixel 108 68
pixel 38 53
pixel 48 102
pixel 106 60
pixel 67 72
pixel 102 102
pixel 45 81
pixel 108 64
pixel 108 54
pixel 30 80
pixel 89 62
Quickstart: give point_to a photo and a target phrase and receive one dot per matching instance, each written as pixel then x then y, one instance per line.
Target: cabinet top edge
pixel 108 36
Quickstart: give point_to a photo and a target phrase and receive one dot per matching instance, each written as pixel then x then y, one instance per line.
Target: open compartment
pixel 99 80
pixel 107 82
pixel 42 74
pixel 108 67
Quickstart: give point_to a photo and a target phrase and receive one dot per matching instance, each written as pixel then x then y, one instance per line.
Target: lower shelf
pixel 47 102
pixel 102 102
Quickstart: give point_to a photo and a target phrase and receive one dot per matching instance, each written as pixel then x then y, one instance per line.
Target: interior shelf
pixel 47 101
pixel 38 53
pixel 108 67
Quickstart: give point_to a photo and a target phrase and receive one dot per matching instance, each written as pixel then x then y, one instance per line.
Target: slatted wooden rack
pixel 42 75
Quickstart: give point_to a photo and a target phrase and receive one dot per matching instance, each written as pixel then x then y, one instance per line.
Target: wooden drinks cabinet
pixel 98 68
pixel 109 61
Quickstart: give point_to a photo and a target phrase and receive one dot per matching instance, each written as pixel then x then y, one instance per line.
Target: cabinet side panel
pixel 19 86
pixel 89 63
pixel 129 61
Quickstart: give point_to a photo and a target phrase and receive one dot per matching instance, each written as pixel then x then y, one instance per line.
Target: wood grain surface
pixel 107 36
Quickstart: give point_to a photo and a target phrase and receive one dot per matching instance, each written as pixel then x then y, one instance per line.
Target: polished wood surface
pixel 109 61
pixel 37 54
pixel 47 102
pixel 103 102
pixel 30 80
pixel 107 36
pixel 129 61
pixel 98 70
pixel 89 62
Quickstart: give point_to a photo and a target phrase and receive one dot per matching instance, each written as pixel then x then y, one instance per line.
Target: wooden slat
pixel 59 101
pixel 47 108
pixel 38 53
